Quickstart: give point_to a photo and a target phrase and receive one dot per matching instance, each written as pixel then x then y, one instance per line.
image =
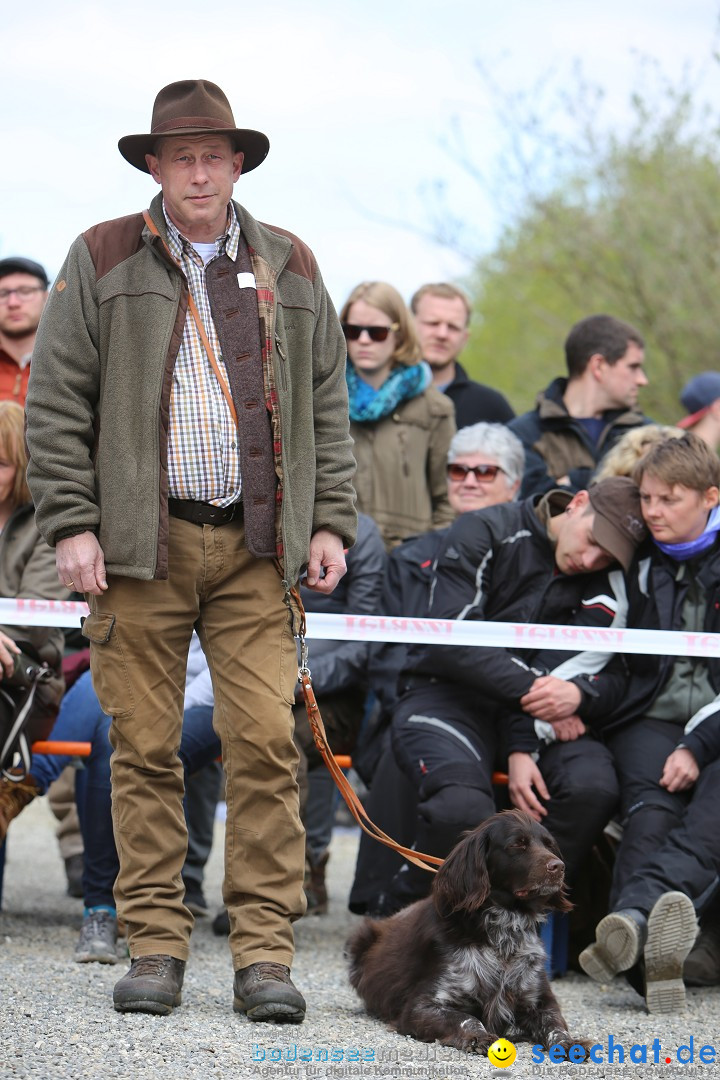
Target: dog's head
pixel 511 860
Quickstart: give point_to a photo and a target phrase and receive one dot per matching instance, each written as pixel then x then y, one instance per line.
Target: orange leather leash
pixel 426 862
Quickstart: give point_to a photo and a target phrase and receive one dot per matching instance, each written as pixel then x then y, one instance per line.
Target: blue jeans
pixel 81 719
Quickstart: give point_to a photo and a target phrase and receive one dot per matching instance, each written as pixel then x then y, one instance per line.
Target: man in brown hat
pixel 190 455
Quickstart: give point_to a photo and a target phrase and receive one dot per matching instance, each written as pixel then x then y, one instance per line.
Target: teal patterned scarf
pixel 403 383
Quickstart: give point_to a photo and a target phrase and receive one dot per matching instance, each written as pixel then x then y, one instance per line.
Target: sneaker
pixel 672 929
pixel 14 797
pixel 97 942
pixel 314 885
pixel 265 991
pixel 152 985
pixel 195 900
pixel 619 940
pixel 74 865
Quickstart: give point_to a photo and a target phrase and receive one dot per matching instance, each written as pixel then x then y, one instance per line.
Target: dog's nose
pixel 555 866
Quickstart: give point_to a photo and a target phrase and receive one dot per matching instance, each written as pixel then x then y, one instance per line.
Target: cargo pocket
pixel 288 663
pixel 110 677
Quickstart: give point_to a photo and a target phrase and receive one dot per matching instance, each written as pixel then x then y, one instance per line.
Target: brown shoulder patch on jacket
pixel 301 261
pixel 111 242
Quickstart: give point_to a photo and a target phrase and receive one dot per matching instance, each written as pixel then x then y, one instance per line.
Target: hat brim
pixel 253 144
pixel 612 540
pixel 692 419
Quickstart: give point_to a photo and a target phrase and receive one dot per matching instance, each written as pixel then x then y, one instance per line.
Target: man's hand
pixel 680 771
pixel 8 650
pixel 569 729
pixel 326 551
pixel 81 564
pixel 550 698
pixel 523 776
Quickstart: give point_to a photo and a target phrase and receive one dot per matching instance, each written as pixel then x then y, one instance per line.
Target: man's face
pixel 622 380
pixel 472 492
pixel 22 298
pixel 577 551
pixel 675 514
pixel 441 327
pixel 197 173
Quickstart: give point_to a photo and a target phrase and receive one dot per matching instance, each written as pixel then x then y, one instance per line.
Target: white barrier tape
pixel 14 612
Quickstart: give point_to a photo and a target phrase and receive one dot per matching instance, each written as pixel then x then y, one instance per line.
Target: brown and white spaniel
pixel 466 966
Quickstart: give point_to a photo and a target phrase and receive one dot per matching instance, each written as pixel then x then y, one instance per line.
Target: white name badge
pixel 246 281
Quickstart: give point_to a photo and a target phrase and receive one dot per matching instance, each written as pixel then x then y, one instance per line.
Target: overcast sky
pixel 356 98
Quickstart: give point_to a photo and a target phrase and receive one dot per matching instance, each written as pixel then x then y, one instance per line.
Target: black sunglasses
pixel 376 333
pixel 458 472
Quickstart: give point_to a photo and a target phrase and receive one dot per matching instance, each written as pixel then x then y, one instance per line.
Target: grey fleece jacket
pixel 100 382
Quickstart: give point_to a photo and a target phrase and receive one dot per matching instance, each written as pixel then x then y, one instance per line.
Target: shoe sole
pixel 616 949
pixel 280 1012
pixel 96 957
pixel 147 1005
pixel 672 929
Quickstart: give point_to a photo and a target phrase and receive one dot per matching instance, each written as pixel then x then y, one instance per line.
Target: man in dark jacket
pixel 665 738
pixel 442 313
pixel 546 561
pixel 576 420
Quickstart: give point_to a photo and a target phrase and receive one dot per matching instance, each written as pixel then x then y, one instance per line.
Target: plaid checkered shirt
pixel 203 455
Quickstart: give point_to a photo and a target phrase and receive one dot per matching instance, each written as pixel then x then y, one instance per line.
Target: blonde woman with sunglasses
pixel 402 425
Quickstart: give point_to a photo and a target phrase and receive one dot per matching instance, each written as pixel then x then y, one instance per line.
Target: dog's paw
pixel 471 1037
pixel 567 1042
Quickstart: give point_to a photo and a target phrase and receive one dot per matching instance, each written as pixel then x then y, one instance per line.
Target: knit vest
pixel 235 315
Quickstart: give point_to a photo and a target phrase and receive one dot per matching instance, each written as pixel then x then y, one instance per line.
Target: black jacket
pixel 474 401
pixel 656 603
pixel 556 444
pixel 498 564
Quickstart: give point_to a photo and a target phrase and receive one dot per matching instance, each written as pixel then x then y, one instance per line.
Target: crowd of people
pixel 221 437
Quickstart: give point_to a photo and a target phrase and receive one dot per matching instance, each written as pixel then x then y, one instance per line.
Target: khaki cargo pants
pixel 140 633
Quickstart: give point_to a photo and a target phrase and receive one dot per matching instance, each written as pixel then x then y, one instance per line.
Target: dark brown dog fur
pixel 466 966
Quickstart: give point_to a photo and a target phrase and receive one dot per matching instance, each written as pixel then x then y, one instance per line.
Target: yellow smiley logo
pixel 502 1053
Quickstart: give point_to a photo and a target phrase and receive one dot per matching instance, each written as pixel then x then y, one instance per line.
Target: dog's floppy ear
pixel 462 883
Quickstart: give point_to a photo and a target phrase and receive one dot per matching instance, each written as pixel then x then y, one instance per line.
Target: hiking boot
pixel 14 797
pixel 702 967
pixel 97 942
pixel 672 929
pixel 314 885
pixel 152 985
pixel 619 940
pixel 265 992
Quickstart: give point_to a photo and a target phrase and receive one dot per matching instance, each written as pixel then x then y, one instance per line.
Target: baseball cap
pixel 619 527
pixel 698 395
pixel 19 265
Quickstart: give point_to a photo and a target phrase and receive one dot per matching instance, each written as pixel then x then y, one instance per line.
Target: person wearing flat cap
pixel 189 458
pixel 23 292
pixel 462 707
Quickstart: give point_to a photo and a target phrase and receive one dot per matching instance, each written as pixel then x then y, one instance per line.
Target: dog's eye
pixel 517 845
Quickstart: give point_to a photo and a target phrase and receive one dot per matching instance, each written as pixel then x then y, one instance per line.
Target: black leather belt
pixel 202 513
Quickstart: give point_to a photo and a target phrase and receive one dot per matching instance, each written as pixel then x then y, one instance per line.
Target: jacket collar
pixel 271 246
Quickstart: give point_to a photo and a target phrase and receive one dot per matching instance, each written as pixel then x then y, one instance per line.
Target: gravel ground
pixel 57 1019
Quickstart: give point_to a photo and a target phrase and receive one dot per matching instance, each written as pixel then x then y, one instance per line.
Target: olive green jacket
pixel 27 569
pixel 99 394
pixel 401 479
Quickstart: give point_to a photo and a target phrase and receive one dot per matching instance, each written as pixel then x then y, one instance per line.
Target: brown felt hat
pixel 194 107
